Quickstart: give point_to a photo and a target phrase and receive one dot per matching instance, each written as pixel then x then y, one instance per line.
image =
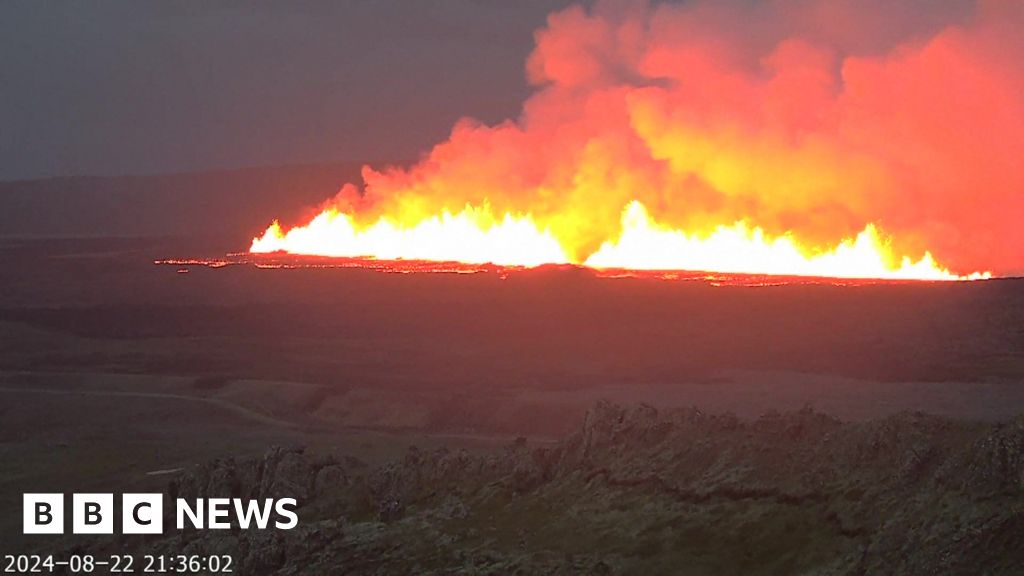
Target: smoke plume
pixel 810 117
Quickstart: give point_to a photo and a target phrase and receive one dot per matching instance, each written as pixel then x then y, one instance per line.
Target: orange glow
pixel 476 236
pixel 646 245
pixel 794 137
pixel 473 236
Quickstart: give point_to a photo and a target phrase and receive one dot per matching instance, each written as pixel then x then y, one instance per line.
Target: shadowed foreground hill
pixel 638 491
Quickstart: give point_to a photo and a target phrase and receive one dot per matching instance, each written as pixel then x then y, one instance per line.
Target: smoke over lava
pixel 811 137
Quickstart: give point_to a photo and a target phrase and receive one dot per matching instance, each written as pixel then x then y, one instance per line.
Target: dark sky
pixel 106 88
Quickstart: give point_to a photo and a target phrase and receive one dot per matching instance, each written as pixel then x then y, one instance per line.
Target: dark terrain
pixel 808 451
pixel 637 490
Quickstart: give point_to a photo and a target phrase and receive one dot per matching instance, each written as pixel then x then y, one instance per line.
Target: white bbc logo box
pixel 92 513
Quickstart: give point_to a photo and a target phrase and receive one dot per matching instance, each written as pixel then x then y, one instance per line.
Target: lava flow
pixel 475 236
pixel 700 137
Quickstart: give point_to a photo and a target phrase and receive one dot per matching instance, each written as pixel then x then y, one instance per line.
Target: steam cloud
pixel 810 116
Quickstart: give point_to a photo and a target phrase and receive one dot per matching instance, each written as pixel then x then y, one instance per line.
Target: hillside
pixel 229 203
pixel 641 491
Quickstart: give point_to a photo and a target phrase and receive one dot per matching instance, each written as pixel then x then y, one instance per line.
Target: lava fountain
pixel 702 137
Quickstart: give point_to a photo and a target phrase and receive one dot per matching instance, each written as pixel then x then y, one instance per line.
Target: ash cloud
pixel 802 116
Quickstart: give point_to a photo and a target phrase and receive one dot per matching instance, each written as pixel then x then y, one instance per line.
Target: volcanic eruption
pixel 796 137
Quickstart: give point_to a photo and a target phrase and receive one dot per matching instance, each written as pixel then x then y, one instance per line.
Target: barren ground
pixel 112 368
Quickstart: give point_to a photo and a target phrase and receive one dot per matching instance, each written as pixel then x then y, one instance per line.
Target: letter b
pixel 43 514
pixel 92 514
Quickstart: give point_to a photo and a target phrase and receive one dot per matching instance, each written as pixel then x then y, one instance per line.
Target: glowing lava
pixel 473 236
pixel 476 236
pixel 646 245
pixel 793 138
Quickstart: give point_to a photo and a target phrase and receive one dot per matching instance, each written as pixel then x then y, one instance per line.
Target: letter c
pixel 135 514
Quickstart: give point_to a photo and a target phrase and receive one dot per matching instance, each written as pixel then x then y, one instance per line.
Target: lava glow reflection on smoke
pixel 793 137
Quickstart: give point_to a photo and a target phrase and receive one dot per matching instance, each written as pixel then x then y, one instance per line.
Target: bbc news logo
pixel 144 513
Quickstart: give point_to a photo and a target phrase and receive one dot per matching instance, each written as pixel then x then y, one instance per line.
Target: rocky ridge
pixel 637 490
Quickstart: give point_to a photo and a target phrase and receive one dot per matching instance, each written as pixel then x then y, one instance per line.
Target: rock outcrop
pixel 638 490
